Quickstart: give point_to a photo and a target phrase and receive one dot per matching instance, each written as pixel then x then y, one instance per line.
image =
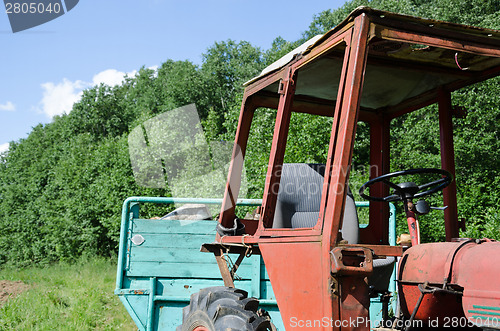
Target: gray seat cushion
pixel 299 199
pixel 382 271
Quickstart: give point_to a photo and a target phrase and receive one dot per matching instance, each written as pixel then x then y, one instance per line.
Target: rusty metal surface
pixel 413 225
pixel 282 236
pixel 428 263
pixel 351 261
pixel 233 184
pixel 355 303
pixel 299 283
pixel 224 270
pixel 476 269
pixel 437 306
pixel 425 46
pixel 379 250
pixel 388 21
pixel 452 269
pixel 422 25
pixel 233 248
pixel 278 149
pixel 343 131
pixel 378 227
pixel 448 163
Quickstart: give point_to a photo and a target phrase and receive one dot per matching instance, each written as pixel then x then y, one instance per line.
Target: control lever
pixel 422 207
pixel 439 208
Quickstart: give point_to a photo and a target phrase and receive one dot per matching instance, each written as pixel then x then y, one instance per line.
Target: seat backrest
pixel 299 199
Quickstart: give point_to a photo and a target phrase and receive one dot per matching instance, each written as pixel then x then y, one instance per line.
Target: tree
pixel 62 187
pixel 226 67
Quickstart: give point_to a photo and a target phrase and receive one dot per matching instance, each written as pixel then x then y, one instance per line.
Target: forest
pixel 62 187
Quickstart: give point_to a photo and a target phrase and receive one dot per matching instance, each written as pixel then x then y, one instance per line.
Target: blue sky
pixel 44 69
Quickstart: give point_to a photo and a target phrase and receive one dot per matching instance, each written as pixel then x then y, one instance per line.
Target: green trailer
pixel 160 265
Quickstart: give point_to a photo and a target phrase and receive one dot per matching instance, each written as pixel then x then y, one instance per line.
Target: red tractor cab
pixel 373 67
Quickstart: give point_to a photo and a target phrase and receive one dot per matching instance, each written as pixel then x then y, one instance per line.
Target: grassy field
pixel 65 297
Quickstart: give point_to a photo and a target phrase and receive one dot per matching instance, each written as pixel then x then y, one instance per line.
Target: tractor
pixel 307 248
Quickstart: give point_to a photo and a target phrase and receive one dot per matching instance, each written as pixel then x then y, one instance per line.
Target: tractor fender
pixel 456 280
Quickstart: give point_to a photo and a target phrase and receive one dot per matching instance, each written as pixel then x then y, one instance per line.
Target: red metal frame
pixel 287 92
pixel 378 227
pixel 448 163
pixel 300 261
pixel 235 168
pixel 277 152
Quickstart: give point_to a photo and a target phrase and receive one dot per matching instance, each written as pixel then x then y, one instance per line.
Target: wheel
pixel 224 309
pixel 408 190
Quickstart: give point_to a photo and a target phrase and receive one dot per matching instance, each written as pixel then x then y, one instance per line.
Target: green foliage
pixel 279 48
pixel 477 155
pixel 61 188
pixel 99 113
pixel 226 67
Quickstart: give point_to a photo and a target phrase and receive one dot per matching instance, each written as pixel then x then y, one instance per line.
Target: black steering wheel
pixel 408 190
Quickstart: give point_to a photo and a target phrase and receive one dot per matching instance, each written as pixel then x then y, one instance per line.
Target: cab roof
pixel 402 66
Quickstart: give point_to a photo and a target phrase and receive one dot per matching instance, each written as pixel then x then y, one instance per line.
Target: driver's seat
pixel 298 204
pixel 299 199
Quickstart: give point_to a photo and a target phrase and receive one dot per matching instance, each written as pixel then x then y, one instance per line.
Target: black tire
pixel 224 309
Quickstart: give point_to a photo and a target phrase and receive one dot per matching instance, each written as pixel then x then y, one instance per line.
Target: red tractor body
pixel 373 67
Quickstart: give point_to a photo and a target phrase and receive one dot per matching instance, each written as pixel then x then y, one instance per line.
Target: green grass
pixel 65 297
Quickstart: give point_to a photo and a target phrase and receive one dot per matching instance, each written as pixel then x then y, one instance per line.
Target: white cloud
pixel 109 77
pixel 59 98
pixel 4 147
pixel 9 106
pixel 114 77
